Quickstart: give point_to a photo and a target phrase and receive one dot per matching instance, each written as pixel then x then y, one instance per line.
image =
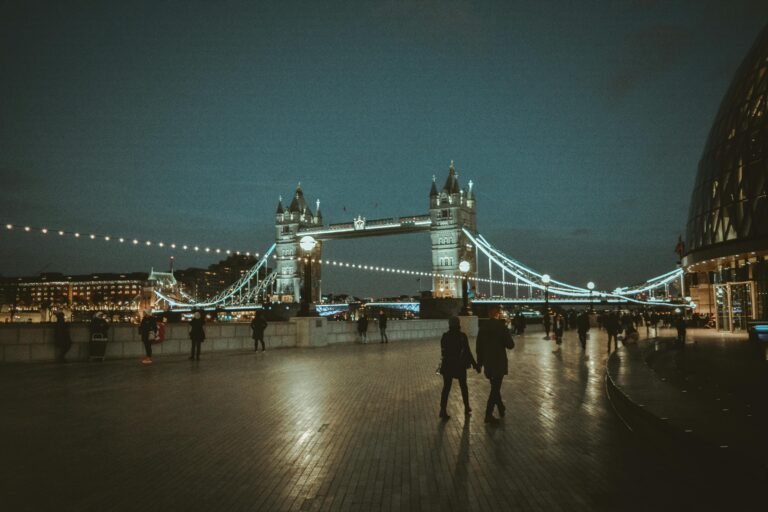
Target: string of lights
pixel 125 240
pixel 513 268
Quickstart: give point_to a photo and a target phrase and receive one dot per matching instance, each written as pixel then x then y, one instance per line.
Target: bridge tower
pixel 451 209
pixel 290 270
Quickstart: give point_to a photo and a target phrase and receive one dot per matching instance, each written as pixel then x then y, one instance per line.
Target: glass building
pixel 727 233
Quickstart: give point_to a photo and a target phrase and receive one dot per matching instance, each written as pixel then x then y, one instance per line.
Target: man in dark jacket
pixel 681 331
pixel 196 334
pixel 148 331
pixel 258 325
pixel 493 340
pixel 547 321
pixel 383 326
pixel 582 327
pixel 612 328
pixel 61 337
pixel 362 328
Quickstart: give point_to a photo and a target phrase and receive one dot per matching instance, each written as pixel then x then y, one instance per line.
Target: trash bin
pixel 97 347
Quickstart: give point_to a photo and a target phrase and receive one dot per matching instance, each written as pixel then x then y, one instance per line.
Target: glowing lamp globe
pixel 307 243
pixel 545 279
pixel 464 266
pixel 591 285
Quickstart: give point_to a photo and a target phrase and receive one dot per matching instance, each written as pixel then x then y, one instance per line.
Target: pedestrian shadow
pixel 461 469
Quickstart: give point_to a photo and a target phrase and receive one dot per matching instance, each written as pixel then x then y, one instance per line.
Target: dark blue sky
pixel 581 125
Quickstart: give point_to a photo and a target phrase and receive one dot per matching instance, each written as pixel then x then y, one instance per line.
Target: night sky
pixel 580 123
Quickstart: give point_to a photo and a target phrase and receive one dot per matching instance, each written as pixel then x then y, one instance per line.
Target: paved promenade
pixel 350 427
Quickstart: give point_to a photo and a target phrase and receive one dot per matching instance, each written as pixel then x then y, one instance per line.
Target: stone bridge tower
pixel 290 271
pixel 451 209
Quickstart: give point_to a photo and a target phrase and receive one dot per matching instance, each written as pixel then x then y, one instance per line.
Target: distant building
pixel 121 294
pixel 727 233
pixel 76 293
pixel 202 283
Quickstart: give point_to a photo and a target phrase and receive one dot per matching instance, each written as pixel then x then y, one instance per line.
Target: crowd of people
pixel 362 326
pixel 456 355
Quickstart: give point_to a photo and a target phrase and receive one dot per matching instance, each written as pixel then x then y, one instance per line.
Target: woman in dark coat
pixel 61 337
pixel 196 334
pixel 456 358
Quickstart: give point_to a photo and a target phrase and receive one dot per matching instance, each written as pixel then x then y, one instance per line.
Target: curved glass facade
pixel 727 232
pixel 729 206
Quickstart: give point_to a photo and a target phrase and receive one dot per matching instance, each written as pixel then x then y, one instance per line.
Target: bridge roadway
pixel 351 427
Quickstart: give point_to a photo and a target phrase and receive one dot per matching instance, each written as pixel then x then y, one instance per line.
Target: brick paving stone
pixel 348 427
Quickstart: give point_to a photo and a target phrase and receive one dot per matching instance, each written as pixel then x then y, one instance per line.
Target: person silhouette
pixel 456 357
pixel 493 340
pixel 383 326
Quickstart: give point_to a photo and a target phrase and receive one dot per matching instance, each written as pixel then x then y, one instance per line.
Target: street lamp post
pixel 464 268
pixel 545 281
pixel 307 244
pixel 591 287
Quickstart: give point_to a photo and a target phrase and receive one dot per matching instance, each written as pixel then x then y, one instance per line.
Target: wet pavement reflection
pixel 352 427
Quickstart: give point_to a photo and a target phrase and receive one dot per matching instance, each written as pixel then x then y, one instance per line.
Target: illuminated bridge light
pixel 9 226
pixel 44 231
pixel 106 238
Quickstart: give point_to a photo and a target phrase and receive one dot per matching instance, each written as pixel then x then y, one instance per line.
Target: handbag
pixel 439 368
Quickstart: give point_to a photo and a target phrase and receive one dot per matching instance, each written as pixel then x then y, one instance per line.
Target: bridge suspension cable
pixel 535 279
pixel 235 289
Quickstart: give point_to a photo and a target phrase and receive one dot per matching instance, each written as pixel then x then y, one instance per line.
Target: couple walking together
pixel 493 340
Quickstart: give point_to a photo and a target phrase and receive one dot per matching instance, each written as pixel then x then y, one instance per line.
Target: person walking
pixel 655 323
pixel 681 331
pixel 582 327
pixel 547 324
pixel 493 339
pixel 456 357
pixel 148 331
pixel 362 328
pixel 558 328
pixel 196 334
pixel 519 323
pixel 258 325
pixel 612 328
pixel 61 337
pixel 383 326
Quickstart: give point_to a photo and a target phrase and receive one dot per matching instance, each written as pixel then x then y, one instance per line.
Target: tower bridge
pixel 296 273
pixel 451 213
